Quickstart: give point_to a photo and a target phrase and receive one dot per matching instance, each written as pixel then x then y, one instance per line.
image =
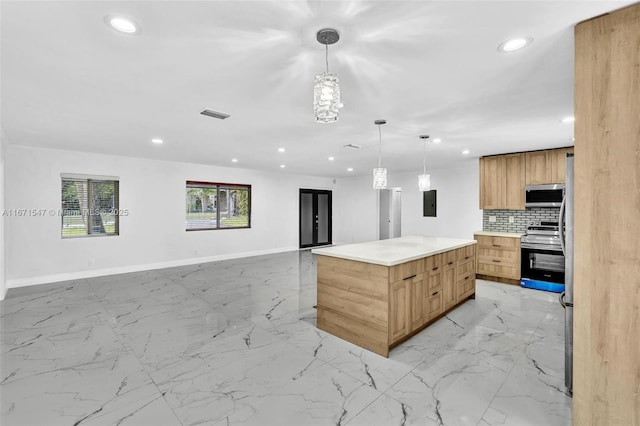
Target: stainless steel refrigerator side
pixel 568 296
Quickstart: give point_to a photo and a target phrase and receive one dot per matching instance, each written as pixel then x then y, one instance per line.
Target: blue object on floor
pixel 541 285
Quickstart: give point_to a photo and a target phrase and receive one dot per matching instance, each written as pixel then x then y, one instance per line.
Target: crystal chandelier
pixel 326 91
pixel 379 173
pixel 424 180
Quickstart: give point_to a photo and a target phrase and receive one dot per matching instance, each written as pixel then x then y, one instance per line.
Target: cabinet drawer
pixel 406 270
pixel 498 243
pixel 466 253
pixel 498 270
pixel 449 258
pixel 434 305
pixel 465 268
pixel 486 255
pixel 433 264
pixel 466 287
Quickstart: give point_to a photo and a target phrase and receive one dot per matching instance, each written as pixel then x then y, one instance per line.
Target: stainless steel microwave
pixel 549 195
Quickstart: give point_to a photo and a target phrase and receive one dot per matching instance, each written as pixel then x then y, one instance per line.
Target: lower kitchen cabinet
pixel 498 257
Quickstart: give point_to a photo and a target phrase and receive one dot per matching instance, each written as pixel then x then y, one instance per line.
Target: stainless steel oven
pixel 542 261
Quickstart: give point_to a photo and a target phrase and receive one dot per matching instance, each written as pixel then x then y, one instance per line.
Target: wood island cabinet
pixel 377 307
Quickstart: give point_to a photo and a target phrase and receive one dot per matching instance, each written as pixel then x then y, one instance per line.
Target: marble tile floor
pixel 234 343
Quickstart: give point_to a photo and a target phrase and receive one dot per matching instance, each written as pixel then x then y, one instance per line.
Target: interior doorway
pixel 390 213
pixel 315 217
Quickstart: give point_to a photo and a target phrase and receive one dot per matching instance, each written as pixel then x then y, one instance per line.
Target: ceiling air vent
pixel 351 145
pixel 215 114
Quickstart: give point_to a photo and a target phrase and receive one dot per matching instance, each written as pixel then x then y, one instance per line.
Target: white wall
pixel 3 289
pixel 458 212
pixel 153 234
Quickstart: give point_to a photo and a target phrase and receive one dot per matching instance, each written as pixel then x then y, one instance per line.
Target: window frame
pixel 218 186
pixel 88 180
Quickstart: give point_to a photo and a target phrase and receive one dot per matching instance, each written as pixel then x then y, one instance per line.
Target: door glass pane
pixel 306 219
pixel 323 218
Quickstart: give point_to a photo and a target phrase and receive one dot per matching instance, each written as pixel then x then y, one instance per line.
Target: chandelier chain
pixel 379 146
pixel 326 56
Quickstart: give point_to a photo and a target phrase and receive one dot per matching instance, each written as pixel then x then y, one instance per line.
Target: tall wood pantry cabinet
pixel 606 385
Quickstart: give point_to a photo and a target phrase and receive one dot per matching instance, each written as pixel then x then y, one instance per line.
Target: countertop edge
pixel 499 234
pixel 421 255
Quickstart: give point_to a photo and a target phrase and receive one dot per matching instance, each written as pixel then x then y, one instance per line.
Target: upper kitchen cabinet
pixel 546 166
pixel 502 181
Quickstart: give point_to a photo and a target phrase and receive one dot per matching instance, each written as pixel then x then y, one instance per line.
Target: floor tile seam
pixel 506 377
pixel 162 394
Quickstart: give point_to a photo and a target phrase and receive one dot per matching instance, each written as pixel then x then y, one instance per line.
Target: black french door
pixel 315 217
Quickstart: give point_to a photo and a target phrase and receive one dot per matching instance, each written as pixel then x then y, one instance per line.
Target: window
pixel 217 206
pixel 89 206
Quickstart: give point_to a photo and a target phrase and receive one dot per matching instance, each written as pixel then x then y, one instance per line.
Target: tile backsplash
pixel 521 218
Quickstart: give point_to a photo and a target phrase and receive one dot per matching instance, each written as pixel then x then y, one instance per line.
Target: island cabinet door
pixel 419 287
pixel 448 286
pixel 399 310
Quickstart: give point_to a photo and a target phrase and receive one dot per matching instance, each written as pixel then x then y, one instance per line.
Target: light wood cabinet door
pixel 557 163
pixel 448 286
pixel 536 168
pixel 418 289
pixel 491 173
pixel 513 182
pixel 433 304
pixel 399 310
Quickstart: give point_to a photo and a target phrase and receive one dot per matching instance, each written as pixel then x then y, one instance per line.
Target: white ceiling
pixel 71 82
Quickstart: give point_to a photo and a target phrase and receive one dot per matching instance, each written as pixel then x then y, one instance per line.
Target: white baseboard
pixel 45 279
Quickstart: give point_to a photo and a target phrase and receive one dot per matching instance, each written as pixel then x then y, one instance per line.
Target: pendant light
pixel 379 173
pixel 424 180
pixel 326 91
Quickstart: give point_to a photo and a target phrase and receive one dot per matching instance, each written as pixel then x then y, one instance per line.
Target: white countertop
pixel 395 250
pixel 498 234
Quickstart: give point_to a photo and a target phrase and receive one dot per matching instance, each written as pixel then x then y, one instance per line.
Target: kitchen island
pixel 379 293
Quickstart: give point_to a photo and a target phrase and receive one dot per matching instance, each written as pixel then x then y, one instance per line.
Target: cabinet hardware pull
pixel 435 269
pixel 467 257
pixel 433 294
pixel 497 245
pixel 467 277
pixel 496 261
pixel 450 263
pixel 408 278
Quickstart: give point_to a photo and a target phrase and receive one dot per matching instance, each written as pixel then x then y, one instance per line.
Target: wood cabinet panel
pixel 606 348
pixel 433 306
pixel 448 286
pixel 536 168
pixel 513 182
pixel 466 253
pixel 557 160
pixel 406 270
pixel 491 173
pixel 399 311
pixel 419 287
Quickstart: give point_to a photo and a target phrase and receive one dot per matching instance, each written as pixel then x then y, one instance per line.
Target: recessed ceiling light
pixel 157 140
pixel 513 44
pixel 568 119
pixel 465 152
pixel 124 25
pixel 350 169
pixel 234 160
pixel 331 158
pixel 281 150
pixel 437 140
pixel 282 166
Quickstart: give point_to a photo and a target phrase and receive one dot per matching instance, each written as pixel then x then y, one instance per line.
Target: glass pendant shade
pixel 424 182
pixel 380 178
pixel 326 97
